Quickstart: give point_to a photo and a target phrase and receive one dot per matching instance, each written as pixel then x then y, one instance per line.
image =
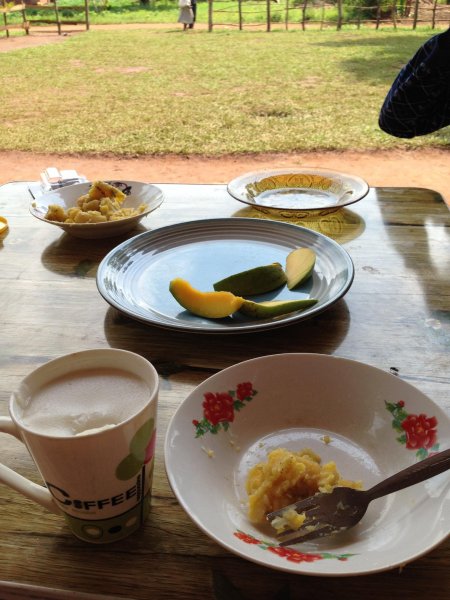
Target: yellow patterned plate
pixel 306 189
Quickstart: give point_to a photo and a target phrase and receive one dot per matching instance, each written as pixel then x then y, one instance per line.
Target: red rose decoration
pixel 294 555
pixel 246 538
pixel 312 557
pixel 244 390
pixel 420 431
pixel 218 407
pixel 279 550
pixel 287 553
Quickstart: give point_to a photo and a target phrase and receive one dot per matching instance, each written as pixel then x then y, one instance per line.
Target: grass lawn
pixel 163 91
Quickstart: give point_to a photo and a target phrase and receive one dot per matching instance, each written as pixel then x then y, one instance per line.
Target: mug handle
pixel 21 484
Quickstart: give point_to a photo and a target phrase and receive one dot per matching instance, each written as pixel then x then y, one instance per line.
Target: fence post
pixel 240 14
pixel 378 15
pixel 394 13
pixel 58 19
pixel 305 2
pixel 210 15
pixel 86 13
pixel 268 14
pixel 433 22
pixel 339 22
pixel 286 16
pixel 416 13
pixel 5 18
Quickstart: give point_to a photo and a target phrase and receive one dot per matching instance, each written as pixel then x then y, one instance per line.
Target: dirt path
pixel 418 168
pixel 421 168
pixel 48 34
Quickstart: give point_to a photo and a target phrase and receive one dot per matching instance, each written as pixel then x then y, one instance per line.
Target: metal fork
pixel 330 513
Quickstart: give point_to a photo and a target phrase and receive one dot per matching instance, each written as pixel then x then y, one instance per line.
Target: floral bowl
pixel 137 193
pixel 298 192
pixel 370 422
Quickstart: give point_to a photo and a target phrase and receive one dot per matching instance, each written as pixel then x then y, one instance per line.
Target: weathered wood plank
pixel 395 315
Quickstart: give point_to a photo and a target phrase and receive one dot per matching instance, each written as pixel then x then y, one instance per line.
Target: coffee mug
pixel 88 420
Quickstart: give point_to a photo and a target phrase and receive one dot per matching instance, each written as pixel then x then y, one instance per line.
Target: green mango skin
pixel 299 266
pixel 274 308
pixel 254 281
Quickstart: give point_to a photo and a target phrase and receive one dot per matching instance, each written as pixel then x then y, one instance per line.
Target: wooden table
pixel 396 316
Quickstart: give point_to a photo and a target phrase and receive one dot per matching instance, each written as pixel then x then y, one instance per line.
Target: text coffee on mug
pixel 88 420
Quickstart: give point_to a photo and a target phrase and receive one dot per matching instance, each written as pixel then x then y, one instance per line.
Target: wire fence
pixel 303 14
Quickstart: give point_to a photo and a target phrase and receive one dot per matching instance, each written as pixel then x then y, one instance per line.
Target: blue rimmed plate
pixel 134 277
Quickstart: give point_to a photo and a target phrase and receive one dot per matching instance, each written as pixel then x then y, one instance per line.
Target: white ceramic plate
pixel 134 277
pixel 292 401
pixel 298 190
pixel 137 193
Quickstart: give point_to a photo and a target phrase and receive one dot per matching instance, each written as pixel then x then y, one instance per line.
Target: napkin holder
pixel 53 179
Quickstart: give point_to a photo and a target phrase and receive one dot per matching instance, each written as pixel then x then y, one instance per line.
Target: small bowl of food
pixel 269 431
pixel 98 209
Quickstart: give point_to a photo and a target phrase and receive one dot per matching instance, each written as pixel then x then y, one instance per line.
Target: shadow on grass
pixel 408 42
pixel 394 53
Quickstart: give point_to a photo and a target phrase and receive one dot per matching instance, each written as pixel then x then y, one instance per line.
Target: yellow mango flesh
pixel 211 305
pixel 299 266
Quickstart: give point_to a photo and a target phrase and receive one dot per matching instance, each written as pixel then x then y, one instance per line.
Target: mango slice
pixel 211 305
pixel 273 308
pixel 253 281
pixel 299 266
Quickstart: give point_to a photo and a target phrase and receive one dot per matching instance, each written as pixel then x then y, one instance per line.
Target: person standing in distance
pixel 194 13
pixel 186 14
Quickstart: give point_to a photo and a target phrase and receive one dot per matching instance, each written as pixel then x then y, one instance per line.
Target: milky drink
pixel 82 402
pixel 88 420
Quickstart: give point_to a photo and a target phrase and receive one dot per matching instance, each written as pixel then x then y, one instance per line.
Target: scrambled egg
pixel 285 478
pixel 102 203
